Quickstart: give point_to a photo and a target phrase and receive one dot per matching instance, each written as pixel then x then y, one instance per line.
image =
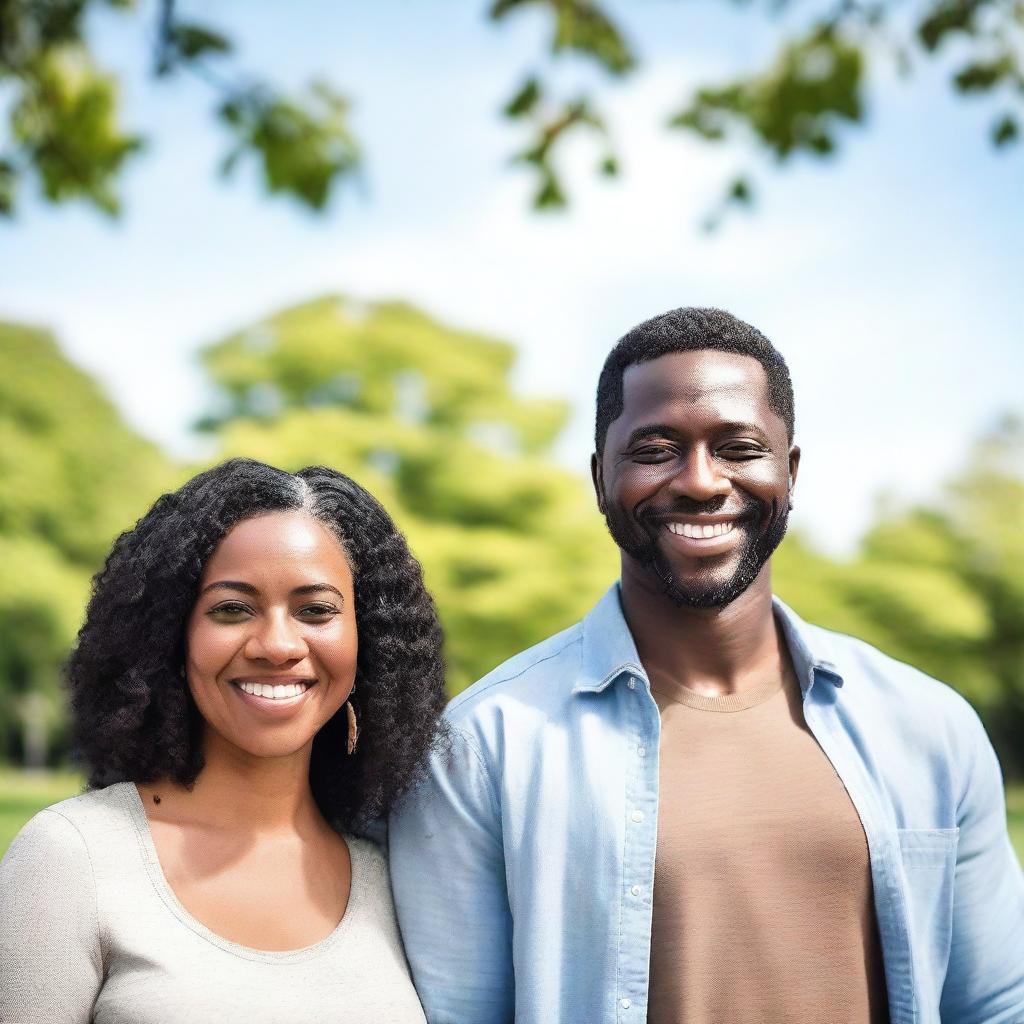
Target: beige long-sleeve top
pixel 90 931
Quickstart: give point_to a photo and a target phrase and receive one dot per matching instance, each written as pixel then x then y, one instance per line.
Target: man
pixel 693 807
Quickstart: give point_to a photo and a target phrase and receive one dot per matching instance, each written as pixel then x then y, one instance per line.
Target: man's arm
pixel 448 874
pixel 985 976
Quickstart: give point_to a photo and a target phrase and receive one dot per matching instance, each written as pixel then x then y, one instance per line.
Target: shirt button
pixel 626 1004
pixel 635 890
pixel 637 816
pixel 632 684
pixel 642 751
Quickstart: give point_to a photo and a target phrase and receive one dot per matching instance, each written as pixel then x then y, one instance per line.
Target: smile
pixel 697 532
pixel 286 692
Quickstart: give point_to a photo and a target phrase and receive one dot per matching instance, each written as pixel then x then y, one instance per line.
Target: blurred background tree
pixel 65 129
pixel 513 549
pixel 74 476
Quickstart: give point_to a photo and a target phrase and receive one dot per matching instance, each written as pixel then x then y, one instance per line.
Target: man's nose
pixel 700 477
pixel 276 639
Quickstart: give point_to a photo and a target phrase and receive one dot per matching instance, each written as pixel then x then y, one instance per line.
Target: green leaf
pixel 525 100
pixel 946 18
pixel 8 187
pixel 192 41
pixel 983 75
pixel 581 26
pixel 1006 131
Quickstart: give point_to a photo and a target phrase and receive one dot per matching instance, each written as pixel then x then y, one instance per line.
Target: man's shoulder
pixel 540 675
pixel 868 672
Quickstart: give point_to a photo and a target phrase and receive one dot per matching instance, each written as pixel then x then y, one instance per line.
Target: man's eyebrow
pixel 248 588
pixel 651 430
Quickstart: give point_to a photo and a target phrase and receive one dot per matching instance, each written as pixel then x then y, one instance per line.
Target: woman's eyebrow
pixel 245 588
pixel 312 588
pixel 248 588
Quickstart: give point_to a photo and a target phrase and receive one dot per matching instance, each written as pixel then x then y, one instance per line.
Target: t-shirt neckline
pixel 137 812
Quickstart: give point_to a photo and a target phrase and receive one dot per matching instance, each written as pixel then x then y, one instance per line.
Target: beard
pixel 764 526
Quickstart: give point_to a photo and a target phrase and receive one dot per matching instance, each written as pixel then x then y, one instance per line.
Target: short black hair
pixel 133 718
pixel 686 330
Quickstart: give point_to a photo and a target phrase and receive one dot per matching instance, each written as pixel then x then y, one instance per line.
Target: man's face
pixel 696 475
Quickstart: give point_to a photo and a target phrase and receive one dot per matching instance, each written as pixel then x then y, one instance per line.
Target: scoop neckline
pixel 136 809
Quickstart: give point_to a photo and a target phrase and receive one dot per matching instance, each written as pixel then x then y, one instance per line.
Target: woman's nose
pixel 277 640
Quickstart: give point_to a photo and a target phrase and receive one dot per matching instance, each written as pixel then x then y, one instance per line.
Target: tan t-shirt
pixel 763 906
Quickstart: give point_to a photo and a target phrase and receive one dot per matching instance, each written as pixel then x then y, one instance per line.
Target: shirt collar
pixel 609 651
pixel 608 648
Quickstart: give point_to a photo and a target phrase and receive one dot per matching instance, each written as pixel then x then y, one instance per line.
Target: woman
pixel 258 679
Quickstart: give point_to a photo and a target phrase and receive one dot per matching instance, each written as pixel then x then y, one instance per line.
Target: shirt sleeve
pixel 985 975
pixel 50 963
pixel 448 876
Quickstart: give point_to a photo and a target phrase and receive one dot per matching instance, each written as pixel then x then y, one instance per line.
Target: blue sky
pixel 889 278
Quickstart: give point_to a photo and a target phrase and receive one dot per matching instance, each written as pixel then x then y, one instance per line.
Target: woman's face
pixel 271 642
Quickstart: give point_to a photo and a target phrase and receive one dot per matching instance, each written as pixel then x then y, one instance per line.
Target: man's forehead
pixel 697 376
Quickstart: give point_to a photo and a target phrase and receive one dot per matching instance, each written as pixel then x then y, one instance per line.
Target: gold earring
pixel 353 727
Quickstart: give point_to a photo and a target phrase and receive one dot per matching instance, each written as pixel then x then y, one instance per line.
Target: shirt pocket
pixel 929 866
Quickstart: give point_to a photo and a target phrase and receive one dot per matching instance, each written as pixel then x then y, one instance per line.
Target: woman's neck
pixel 237 790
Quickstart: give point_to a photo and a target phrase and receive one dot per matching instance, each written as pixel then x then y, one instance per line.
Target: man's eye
pixel 652 452
pixel 742 451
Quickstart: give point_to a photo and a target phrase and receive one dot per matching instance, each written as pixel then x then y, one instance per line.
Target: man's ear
pixel 598 478
pixel 794 467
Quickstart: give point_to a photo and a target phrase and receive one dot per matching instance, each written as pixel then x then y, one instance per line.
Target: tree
pixel 940 586
pixel 65 131
pixel 73 476
pixel 424 417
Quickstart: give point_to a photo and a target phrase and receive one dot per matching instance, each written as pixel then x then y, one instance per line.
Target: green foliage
pixel 304 145
pixel 941 588
pixel 73 477
pixel 65 129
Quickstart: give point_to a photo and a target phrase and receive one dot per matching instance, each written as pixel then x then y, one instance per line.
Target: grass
pixel 24 793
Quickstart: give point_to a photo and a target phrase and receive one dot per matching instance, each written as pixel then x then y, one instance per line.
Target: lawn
pixel 22 794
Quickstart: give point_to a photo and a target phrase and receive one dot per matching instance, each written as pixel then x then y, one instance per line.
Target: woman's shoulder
pixel 75 831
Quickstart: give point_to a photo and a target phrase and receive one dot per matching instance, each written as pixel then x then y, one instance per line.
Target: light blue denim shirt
pixel 523 867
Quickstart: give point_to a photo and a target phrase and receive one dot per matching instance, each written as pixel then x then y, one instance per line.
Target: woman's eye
pixel 230 610
pixel 318 611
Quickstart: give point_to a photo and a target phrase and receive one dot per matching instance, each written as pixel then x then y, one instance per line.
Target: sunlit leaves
pixel 580 26
pixel 304 145
pixel 553 123
pixel 183 42
pixel 796 104
pixel 946 18
pixel 65 124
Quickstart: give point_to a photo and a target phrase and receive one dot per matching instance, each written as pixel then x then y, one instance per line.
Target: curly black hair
pixel 133 718
pixel 685 330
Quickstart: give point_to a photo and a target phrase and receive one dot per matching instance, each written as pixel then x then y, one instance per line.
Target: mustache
pixel 750 510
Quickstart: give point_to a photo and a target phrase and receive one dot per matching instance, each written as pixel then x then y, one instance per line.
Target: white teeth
pixel 700 532
pixel 279 692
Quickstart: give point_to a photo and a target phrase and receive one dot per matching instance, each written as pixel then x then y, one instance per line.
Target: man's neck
pixel 712 651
